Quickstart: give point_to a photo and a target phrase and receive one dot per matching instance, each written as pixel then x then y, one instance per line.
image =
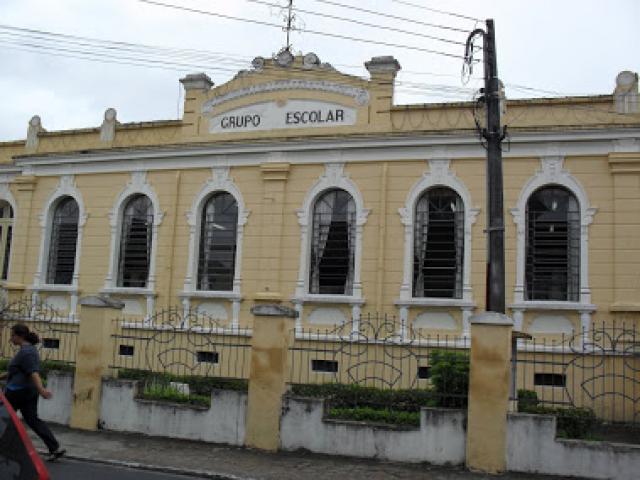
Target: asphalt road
pixel 66 469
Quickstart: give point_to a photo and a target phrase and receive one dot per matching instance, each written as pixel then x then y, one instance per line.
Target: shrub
pixel 575 422
pixel 527 400
pixel 197 384
pixel 368 414
pixel 352 396
pixel 572 422
pixel 450 378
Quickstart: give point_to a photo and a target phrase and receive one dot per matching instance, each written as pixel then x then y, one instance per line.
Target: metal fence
pixel 178 344
pixel 597 369
pixel 58 335
pixel 378 351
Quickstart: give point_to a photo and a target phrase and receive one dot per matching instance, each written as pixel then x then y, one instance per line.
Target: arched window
pixel 552 245
pixel 6 232
pixel 217 257
pixel 333 240
pixel 135 242
pixel 64 238
pixel 438 247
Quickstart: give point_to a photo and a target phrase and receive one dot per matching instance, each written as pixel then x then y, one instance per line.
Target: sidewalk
pixel 226 462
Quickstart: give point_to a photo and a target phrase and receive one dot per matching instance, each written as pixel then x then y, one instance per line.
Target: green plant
pixel 450 377
pixel 527 400
pixel 166 392
pixel 576 422
pixel 48 365
pixel 352 396
pixel 572 422
pixel 368 414
pixel 197 384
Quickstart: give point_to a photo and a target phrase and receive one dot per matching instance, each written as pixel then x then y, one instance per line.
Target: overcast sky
pixel 563 46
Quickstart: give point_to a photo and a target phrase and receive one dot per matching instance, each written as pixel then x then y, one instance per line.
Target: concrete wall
pixel 224 422
pixel 58 408
pixel 440 439
pixel 532 447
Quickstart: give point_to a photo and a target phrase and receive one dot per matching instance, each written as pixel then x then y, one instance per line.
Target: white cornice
pixel 301 151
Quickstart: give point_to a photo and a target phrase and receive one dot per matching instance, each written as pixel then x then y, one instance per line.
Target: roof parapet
pixel 626 92
pixel 197 81
pixel 383 66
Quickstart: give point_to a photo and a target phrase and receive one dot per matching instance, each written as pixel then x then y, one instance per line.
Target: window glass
pixel 553 245
pixel 135 242
pixel 62 246
pixel 438 244
pixel 217 257
pixel 333 244
pixel 6 232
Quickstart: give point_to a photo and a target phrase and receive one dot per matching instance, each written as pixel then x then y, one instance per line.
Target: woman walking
pixel 24 385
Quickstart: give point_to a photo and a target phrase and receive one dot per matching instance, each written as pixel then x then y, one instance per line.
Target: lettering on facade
pixel 294 114
pixel 314 116
pixel 240 121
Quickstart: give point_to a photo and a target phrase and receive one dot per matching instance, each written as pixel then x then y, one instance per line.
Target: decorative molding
pixel 108 127
pixel 138 184
pixel 334 176
pixel 220 181
pixel 438 174
pixel 375 148
pixel 66 188
pixel 35 127
pixel 7 196
pixel 360 95
pixel 552 172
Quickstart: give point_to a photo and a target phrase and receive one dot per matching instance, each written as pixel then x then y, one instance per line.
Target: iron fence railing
pixel 596 368
pixel 176 343
pixel 58 335
pixel 377 351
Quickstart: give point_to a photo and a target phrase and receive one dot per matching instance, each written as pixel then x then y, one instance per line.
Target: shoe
pixel 55 455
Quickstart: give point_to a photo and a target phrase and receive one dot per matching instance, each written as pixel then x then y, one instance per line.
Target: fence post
pixel 272 327
pixel 93 357
pixel 489 385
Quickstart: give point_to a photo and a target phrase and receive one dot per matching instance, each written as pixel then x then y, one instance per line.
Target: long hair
pixel 23 331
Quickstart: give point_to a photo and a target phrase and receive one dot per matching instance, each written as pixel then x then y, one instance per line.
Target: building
pixel 296 183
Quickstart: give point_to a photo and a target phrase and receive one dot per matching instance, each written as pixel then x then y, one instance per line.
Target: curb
pixel 152 468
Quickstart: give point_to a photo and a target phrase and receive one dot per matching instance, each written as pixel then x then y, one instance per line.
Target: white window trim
pixel 137 185
pixel 66 188
pixel 219 182
pixel 333 177
pixel 7 196
pixel 552 173
pixel 438 175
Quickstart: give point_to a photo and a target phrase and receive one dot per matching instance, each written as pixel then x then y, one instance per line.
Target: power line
pixel 395 17
pixel 312 32
pixel 130 58
pixel 118 45
pixel 443 12
pixel 362 23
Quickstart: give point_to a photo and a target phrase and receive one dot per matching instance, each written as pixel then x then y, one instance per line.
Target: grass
pixel 165 392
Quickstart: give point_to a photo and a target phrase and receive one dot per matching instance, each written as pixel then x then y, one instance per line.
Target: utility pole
pixel 493 134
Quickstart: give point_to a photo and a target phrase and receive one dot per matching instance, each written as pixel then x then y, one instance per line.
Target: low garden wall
pixel 58 408
pixel 440 438
pixel 534 448
pixel 223 422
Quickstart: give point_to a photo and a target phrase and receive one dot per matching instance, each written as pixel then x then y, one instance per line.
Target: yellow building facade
pixel 293 182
